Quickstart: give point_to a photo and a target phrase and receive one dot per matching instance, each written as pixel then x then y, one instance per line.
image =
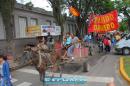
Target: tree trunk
pixel 86 27
pixel 62 29
pixel 129 24
pixel 9 31
pixel 62 32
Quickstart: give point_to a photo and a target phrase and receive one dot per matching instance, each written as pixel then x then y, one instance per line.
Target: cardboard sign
pixel 33 31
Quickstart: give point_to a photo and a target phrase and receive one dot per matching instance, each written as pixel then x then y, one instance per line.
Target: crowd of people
pixel 107 41
pixel 71 41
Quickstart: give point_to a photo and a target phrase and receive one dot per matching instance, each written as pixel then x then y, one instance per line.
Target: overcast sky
pixel 38 3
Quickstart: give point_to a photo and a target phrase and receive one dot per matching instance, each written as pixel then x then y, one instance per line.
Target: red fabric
pixel 106 42
pixel 80 52
pixel 104 23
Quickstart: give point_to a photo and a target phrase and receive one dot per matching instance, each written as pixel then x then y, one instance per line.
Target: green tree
pixel 124 7
pixel 123 26
pixel 58 8
pixel 6 10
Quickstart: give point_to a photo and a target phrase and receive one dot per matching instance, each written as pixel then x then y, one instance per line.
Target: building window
pixel 34 21
pixel 48 22
pixel 22 26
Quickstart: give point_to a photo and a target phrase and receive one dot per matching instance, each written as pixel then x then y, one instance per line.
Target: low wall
pixel 19 44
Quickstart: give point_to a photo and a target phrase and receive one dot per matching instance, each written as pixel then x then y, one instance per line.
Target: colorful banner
pixel 104 23
pixel 54 30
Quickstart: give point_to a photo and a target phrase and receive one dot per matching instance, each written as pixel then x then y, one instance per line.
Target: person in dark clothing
pixel 50 41
pixel 100 45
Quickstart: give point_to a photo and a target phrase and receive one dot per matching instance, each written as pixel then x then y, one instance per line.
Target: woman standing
pixel 5 75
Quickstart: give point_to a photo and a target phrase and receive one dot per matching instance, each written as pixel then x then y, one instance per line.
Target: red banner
pixel 104 23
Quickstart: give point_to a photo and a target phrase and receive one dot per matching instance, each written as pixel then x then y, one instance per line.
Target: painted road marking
pixel 25 84
pixel 14 80
pixel 30 71
pixel 88 78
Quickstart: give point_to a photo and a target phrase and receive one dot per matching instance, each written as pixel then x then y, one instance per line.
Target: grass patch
pixel 127 65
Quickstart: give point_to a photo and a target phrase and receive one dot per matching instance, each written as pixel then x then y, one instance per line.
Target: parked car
pixel 123 46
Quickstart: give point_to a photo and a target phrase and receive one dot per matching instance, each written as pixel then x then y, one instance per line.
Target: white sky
pixel 38 3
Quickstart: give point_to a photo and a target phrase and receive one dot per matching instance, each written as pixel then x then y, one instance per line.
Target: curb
pixel 122 70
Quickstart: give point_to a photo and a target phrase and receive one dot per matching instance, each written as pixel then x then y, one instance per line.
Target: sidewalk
pixel 107 66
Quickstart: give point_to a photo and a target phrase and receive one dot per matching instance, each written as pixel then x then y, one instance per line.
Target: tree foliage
pixel 124 7
pixel 58 8
pixel 123 26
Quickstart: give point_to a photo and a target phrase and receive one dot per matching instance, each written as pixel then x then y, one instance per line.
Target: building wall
pixel 42 19
pixel 19 45
pixel 69 26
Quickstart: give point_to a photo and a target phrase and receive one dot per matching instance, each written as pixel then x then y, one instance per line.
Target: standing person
pixel 86 38
pixel 5 72
pixel 50 41
pixel 107 44
pixel 75 40
pixel 78 33
pixel 113 41
pixel 100 44
pixel 68 44
pixel 89 38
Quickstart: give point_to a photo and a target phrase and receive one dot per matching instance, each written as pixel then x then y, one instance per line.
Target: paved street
pixel 107 66
pixel 26 77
